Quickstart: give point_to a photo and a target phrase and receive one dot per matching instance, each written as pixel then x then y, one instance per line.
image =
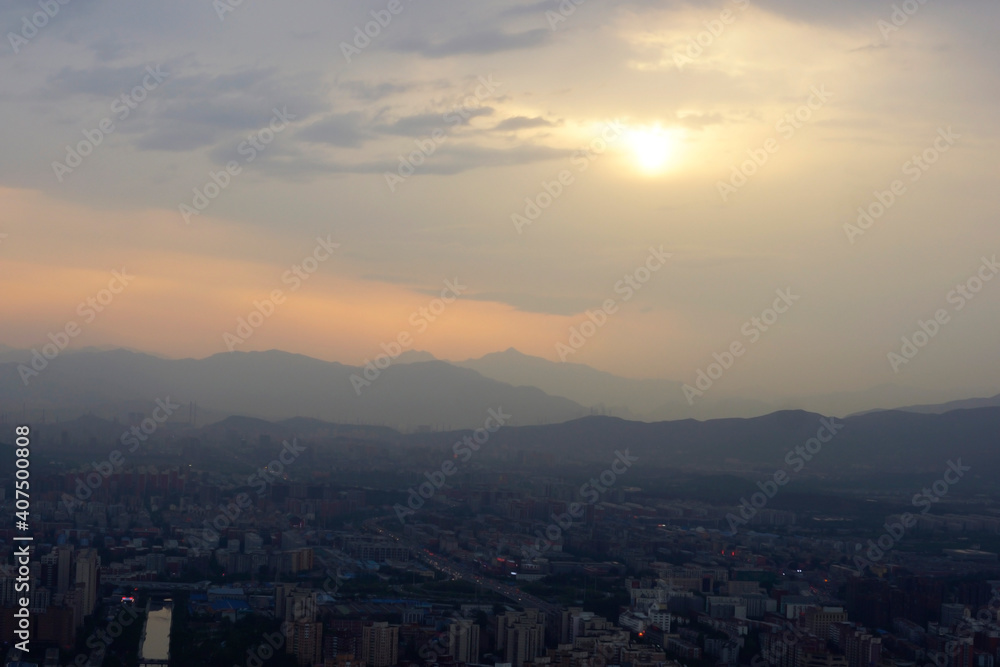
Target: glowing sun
pixel 653 148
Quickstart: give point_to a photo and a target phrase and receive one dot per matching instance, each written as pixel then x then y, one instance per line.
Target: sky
pixel 538 157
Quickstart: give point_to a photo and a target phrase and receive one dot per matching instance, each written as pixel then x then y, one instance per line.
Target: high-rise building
pixel 380 644
pixel 868 601
pixel 963 654
pixel 521 636
pixel 952 614
pixel 56 625
pixel 301 605
pixel 7 592
pixel 87 565
pixel 823 659
pixel 73 599
pixel 463 639
pixel 819 620
pixel 65 567
pixel 660 617
pixel 293 604
pixel 305 642
pixel 862 649
pixel 50 569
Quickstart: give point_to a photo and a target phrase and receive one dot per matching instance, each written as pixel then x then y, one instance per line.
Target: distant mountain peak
pixel 275 385
pixel 414 357
pixel 508 354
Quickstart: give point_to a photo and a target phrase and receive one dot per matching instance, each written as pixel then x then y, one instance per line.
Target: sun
pixel 653 148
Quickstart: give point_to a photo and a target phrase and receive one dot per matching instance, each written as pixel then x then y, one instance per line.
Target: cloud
pixel 530 9
pixel 547 304
pixel 176 137
pixel 299 162
pixel 105 81
pixel 344 130
pixel 202 110
pixel 480 42
pixel 392 280
pixel 700 120
pixel 843 13
pixel 522 123
pixel 195 109
pixel 370 92
pixel 459 158
pixel 110 48
pixel 423 124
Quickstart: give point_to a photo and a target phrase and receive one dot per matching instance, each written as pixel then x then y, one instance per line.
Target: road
pixel 463 573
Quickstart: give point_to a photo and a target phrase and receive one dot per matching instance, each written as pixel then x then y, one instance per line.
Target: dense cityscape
pixel 499 333
pixel 233 545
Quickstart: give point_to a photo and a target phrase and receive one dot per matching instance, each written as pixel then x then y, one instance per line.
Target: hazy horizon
pixel 640 399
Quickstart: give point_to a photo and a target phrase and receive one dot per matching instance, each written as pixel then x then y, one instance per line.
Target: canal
pixel 154 648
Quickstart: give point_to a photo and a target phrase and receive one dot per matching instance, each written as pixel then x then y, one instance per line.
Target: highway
pixel 463 573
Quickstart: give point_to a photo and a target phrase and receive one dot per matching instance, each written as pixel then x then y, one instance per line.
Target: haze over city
pixel 509 333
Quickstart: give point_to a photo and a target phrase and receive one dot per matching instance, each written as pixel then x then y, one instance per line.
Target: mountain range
pixel 894 449
pixel 414 392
